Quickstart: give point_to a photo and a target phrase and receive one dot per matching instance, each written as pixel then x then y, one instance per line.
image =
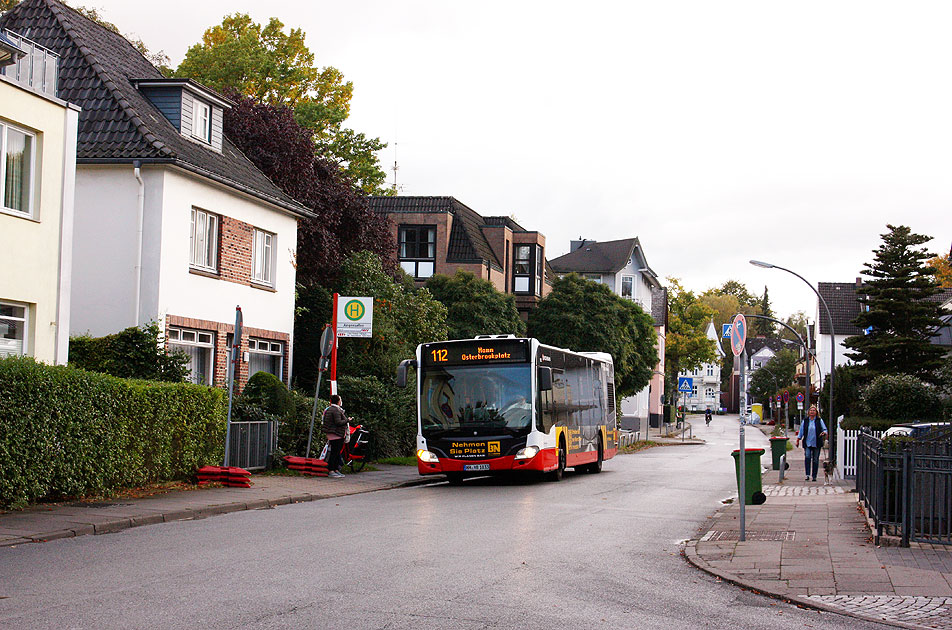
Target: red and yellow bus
pixel 498 404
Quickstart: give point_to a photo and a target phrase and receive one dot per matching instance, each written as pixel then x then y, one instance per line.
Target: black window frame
pixel 534 265
pixel 415 257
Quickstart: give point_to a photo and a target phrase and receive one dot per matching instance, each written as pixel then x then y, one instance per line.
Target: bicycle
pixel 354 453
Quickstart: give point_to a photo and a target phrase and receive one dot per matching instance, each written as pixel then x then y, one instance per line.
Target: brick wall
pixel 236 244
pixel 220 359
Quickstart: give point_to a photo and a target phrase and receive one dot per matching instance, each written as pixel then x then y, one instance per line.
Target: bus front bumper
pixel 545 460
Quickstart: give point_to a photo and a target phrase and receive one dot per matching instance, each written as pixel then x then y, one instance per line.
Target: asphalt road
pixel 598 551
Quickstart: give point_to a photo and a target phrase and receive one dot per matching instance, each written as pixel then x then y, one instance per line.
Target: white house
pixel 843 302
pixel 622 266
pixel 173 224
pixel 705 380
pixel 37 174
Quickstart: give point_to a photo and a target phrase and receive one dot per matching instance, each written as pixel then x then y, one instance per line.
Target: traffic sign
pixel 726 330
pixel 799 397
pixel 778 399
pixel 786 396
pixel 800 406
pixel 739 334
pixel 685 384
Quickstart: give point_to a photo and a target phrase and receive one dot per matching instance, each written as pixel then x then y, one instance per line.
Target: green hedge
pixel 67 432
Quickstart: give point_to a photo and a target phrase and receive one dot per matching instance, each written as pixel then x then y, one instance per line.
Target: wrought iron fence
pixel 252 444
pixel 906 485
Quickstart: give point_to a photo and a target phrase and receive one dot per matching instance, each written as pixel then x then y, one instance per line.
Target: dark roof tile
pixel 844 307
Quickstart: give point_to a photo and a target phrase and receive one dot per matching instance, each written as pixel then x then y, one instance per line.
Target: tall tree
pixel 275 67
pixel 765 327
pixel 272 139
pixel 797 321
pixel 586 316
pixel 686 344
pixel 738 289
pixel 898 317
pixel 475 307
pixel 774 375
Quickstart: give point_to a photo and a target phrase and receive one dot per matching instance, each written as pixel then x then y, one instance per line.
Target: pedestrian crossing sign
pixel 685 384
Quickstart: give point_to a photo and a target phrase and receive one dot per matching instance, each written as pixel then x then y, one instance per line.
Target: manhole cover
pixel 761 536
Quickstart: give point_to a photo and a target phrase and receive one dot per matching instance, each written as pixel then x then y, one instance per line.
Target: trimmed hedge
pixel 67 432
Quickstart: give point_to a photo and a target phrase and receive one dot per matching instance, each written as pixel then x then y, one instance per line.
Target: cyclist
pixel 707 417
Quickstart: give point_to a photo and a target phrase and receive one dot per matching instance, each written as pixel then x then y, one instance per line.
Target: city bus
pixel 500 404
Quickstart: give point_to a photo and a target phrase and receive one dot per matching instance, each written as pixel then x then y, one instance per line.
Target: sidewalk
pixel 46 522
pixel 809 544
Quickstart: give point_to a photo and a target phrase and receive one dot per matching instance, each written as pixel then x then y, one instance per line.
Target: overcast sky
pixel 715 131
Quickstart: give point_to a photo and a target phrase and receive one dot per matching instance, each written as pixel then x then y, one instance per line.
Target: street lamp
pixel 831 420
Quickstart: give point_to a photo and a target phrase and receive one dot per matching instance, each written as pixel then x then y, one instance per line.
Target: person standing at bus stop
pixel 334 424
pixel 812 433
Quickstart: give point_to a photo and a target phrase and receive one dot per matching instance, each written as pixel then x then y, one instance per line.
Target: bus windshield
pixel 476 400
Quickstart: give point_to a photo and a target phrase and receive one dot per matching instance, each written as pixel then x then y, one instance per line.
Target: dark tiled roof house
pixel 172 222
pixel 440 235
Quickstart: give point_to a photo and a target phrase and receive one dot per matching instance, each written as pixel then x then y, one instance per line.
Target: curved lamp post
pixel 806 349
pixel 829 318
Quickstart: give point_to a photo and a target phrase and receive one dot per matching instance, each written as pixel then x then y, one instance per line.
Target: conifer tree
pixel 897 316
pixel 764 327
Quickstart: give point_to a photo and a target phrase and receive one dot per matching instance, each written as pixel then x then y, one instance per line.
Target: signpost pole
pixel 232 368
pixel 327 339
pixel 739 348
pixel 334 350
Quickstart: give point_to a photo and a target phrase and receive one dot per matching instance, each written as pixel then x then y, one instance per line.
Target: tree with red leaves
pixel 285 151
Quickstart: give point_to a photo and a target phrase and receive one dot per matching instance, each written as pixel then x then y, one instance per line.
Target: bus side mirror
pixel 402 371
pixel 545 379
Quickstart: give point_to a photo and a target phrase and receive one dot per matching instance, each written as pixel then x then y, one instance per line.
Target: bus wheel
pixel 556 475
pixel 455 479
pixel 596 467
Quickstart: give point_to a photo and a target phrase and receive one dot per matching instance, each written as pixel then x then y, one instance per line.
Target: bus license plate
pixel 469 467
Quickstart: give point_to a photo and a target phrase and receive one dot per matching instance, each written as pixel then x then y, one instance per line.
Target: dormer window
pixel 202 121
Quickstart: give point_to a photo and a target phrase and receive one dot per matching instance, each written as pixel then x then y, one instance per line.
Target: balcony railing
pixel 37 70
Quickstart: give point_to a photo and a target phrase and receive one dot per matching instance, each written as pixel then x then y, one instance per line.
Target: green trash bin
pixel 778 448
pixel 753 487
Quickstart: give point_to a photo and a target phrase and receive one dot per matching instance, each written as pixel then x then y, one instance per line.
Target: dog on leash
pixel 827 472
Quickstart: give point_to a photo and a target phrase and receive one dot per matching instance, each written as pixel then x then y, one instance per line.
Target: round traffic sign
pixel 786 396
pixel 738 334
pixel 778 398
pixel 799 396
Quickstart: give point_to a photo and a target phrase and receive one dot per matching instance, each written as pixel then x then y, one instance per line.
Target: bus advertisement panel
pixel 502 404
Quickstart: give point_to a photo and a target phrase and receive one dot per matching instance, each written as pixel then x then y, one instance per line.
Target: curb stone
pixel 121 524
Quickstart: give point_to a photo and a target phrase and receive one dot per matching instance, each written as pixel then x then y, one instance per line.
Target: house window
pixel 202 121
pixel 203 250
pixel 265 356
pixel 262 267
pixel 710 370
pixel 18 148
pixel 199 345
pixel 539 269
pixel 418 250
pixel 594 277
pixel 694 391
pixel 628 287
pixel 13 329
pixel 521 267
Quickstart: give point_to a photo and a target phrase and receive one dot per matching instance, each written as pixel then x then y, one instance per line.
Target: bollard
pixel 783 466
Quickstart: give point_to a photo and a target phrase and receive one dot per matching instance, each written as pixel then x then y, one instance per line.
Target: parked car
pixel 915 429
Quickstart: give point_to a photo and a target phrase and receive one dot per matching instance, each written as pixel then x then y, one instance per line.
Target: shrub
pixel 389 412
pixel 855 423
pixel 135 352
pixel 68 432
pixel 268 391
pixel 901 397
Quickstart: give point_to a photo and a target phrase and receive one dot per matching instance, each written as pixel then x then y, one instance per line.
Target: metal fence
pixel 906 486
pixel 252 444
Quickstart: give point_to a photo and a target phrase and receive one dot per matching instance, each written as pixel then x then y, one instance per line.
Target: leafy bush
pixel 68 432
pixel 855 423
pixel 901 397
pixel 475 307
pixel 135 352
pixel 269 392
pixel 389 412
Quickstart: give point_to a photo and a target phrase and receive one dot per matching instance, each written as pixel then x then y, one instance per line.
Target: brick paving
pixel 52 521
pixel 810 544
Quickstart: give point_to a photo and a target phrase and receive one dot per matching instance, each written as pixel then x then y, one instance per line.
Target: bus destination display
pixel 482 351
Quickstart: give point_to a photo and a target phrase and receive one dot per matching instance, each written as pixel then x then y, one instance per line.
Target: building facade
pixel 173 224
pixel 705 379
pixel 441 235
pixel 37 175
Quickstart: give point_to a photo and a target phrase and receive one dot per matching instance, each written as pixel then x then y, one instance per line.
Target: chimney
pixel 859 282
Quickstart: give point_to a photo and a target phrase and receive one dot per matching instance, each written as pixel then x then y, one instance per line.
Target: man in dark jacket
pixel 334 424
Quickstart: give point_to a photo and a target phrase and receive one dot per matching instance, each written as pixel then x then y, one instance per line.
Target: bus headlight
pixel 527 453
pixel 427 456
